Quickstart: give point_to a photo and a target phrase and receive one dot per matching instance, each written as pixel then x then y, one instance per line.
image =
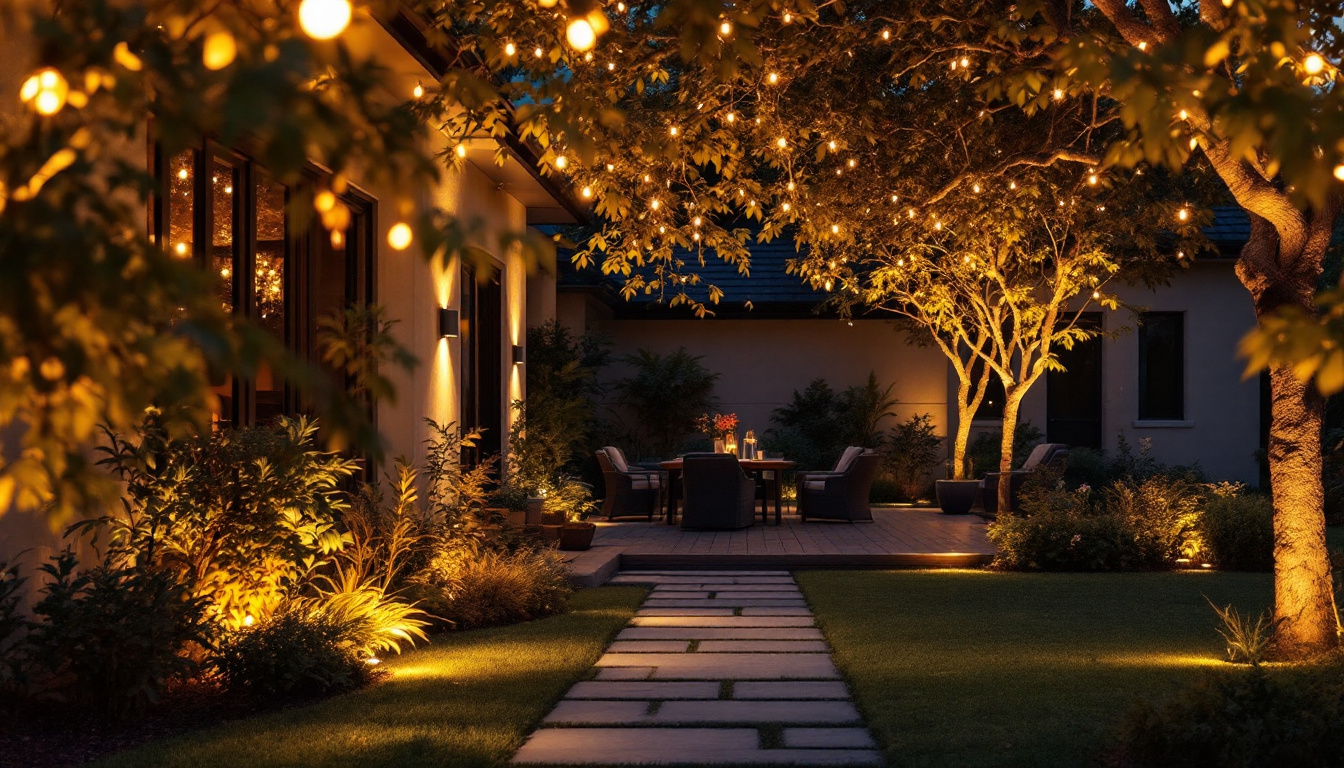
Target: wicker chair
pixel 839 495
pixel 629 492
pixel 718 494
pixel 1043 455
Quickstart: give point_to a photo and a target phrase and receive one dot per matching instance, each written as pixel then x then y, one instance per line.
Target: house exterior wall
pixel 762 362
pixel 410 287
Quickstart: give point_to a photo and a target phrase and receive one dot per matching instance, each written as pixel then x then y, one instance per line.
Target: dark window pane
pixel 270 269
pixel 223 261
pixel 1162 365
pixel 992 406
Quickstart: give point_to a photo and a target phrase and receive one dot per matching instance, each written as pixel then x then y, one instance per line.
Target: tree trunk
pixel 1011 401
pixel 1304 598
pixel 965 413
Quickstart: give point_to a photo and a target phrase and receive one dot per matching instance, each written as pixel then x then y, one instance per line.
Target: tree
pixel 680 131
pixel 1251 87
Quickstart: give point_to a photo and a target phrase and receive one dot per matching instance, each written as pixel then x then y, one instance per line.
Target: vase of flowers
pixel 721 429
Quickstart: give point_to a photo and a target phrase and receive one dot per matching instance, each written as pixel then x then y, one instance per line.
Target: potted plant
pixel 571 502
pixel 511 503
pixel 956 495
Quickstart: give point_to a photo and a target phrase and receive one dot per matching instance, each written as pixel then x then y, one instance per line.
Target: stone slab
pixel 698 595
pixel 795 611
pixel 643 690
pixel 656 580
pixel 686 612
pixel 649 646
pixel 704 572
pixel 668 746
pixel 727 595
pixel 599 712
pixel 720 633
pixel 624 673
pixel 736 712
pixel 754 646
pixel 714 587
pixel 791 689
pixel 722 621
pixel 725 602
pixel 829 738
pixel 726 666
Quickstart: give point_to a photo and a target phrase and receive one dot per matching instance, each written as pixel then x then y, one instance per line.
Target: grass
pixel 972 668
pixel 468 699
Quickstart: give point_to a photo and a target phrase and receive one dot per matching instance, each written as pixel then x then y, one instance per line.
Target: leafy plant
pixel 1246 642
pixel 571 501
pixel 861 409
pixel 912 452
pixel 13 626
pixel 1238 531
pixel 1163 513
pixel 805 429
pixel 455 497
pixel 664 395
pixel 984 451
pixel 240 515
pixel 293 652
pixel 112 637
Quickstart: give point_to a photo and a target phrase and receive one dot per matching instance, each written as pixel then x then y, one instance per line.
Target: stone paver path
pixel 716 668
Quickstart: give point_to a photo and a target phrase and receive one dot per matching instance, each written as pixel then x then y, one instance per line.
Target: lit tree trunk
pixel 1279 275
pixel 1011 401
pixel 969 396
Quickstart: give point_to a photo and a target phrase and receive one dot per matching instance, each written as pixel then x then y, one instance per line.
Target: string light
pixel 781 142
pixel 181 249
pixel 510 49
pixel 726 28
pixel 672 130
pixel 1185 115
pixel 580 34
pixel 1058 94
pixel 831 145
pixel 537 52
pixel 976 188
pixel 772 78
pixel 791 186
pixel 418 91
pixel 183 174
pixel 1092 179
pixel 835 229
pixel 587 192
pixel 696 221
pixel 1313 64
pixel 732 118
pixel 461 151
pixel 851 163
pixel 1143 45
pixel 399 236
pixel 886 34
pixel 1096 295
pixel 786 207
pixel 1183 214
pixel 219 51
pixel 1012 185
pixel 324 19
pixel 654 204
pixel 46 90
pixel 894 198
pixel 788 17
pixel 1339 172
pixel 965 62
pixel 561 161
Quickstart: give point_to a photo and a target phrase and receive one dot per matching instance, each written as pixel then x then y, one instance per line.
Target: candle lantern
pixel 749 451
pixel 730 442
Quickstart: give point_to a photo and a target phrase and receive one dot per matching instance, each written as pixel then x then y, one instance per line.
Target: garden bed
pixel 468 698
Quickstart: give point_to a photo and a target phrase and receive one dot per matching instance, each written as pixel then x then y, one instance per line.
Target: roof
pixel 769 292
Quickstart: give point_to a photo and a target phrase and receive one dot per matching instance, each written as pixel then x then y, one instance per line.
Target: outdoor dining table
pixel 750 466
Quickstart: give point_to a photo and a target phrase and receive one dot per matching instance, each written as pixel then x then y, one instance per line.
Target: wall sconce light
pixel 518 356
pixel 448 323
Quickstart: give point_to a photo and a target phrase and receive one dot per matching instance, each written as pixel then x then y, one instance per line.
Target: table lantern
pixel 749 452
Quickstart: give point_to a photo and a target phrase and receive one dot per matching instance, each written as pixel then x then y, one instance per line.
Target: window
pixel 224 211
pixel 991 407
pixel 1162 366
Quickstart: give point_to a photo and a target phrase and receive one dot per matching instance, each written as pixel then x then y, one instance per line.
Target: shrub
pixel 13 627
pixel 665 394
pixel 911 454
pixel 112 637
pixel 1238 532
pixel 1130 526
pixel 471 587
pixel 1242 719
pixel 293 652
pixel 984 450
pixel 571 501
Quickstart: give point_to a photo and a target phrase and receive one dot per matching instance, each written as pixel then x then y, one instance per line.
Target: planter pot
pixel 577 536
pixel 514 517
pixel 550 533
pixel 991 497
pixel 534 510
pixel 956 497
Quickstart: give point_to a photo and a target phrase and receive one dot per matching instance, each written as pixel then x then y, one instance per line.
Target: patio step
pixel 693 681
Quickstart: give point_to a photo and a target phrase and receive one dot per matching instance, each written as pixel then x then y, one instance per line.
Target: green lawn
pixel 972 668
pixel 467 700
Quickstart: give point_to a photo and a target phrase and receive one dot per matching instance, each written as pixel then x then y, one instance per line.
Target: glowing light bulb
pixel 696 221
pixel 851 162
pixel 831 145
pixel 788 17
pixel 248 620
pixel 587 192
pixel 835 229
pixel 786 207
pixel 726 28
pixel 399 236
pixel 1096 295
pixel 791 186
pixel 324 19
pixel 418 91
pixel 1313 64
pixel 1184 115
pixel 324 201
pixel 781 142
pixel 732 118
pixel 1183 214
pixel 696 237
pixel 1143 45
pixel 228 190
pixel 886 34
pixel 580 34
pixel 772 78
pixel 1012 185
pixel 610 167
pixel 181 249
pixel 938 225
pixel 654 204
pixel 510 49
pixel 46 90
pixel 620 7
pixel 965 62
pixel 894 198
pixel 537 52
pixel 1339 172
pixel 461 150
pixel 183 174
pixel 561 162
pixel 1092 179
pixel 1058 94
pixel 672 130
pixel 976 188
pixel 219 51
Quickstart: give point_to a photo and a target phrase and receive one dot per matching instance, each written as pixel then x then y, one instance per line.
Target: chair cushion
pixel 644 483
pixel 815 485
pixel 847 458
pixel 1038 455
pixel 617 458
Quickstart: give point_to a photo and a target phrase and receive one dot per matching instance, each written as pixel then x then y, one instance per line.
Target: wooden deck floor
pixel 899 538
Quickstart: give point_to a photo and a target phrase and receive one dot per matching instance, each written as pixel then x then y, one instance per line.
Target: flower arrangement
pixel 718 426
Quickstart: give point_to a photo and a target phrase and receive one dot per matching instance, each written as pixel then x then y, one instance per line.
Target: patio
pixel 899 537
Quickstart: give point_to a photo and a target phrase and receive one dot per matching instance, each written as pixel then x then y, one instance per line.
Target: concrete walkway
pixel 716 668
